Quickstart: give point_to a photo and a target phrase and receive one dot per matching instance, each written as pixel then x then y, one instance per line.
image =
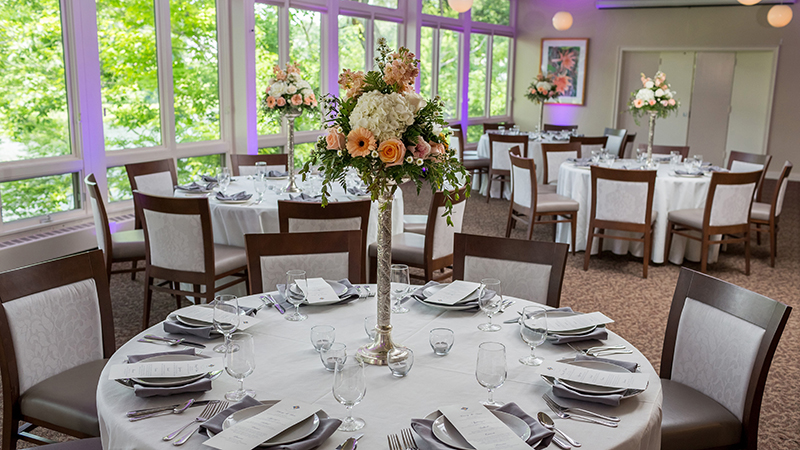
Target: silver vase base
pixel 375 353
pixel 292 189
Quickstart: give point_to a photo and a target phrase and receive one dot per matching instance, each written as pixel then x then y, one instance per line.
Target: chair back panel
pixel 622 201
pixel 175 241
pixel 614 145
pixel 252 170
pixel 306 225
pixel 731 204
pixel 715 353
pixel 781 193
pixel 101 231
pixel 554 161
pixel 242 165
pixel 521 186
pixel 500 154
pixel 330 266
pixel 443 233
pixel 456 143
pixel 744 166
pixel 520 279
pixel 552 127
pixel 55 330
pixel 159 183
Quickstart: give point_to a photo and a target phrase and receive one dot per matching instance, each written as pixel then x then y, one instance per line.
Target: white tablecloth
pixel 671 193
pixel 288 366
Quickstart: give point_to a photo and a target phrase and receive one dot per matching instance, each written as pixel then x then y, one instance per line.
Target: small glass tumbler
pixel 370 326
pixel 675 157
pixel 441 340
pixel 336 352
pixel 400 360
pixel 322 337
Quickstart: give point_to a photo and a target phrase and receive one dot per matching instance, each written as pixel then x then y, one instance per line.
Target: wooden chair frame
pixel 268 244
pixel 30 280
pixel 772 223
pixel 496 126
pixel 278 159
pixel 288 209
pixel 553 148
pixel 589 140
pixel 754 159
pixel 618 132
pixel 746 305
pixel 717 178
pixel 136 169
pixel 646 228
pixel 552 127
pixel 628 144
pixel 502 175
pixel 666 149
pixel 535 252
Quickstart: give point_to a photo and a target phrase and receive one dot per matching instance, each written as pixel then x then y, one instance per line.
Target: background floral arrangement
pixel 654 96
pixel 288 91
pixel 542 88
pixel 385 131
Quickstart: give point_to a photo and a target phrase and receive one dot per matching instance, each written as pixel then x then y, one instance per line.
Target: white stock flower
pixel 385 115
pixel 416 101
pixel 437 129
pixel 645 94
pixel 649 85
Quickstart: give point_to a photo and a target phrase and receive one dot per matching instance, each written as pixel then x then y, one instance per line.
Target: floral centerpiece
pixel 288 95
pixel 542 89
pixel 654 99
pixel 388 134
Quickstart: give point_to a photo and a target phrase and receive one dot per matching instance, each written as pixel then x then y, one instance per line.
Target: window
pixel 266 33
pixel 492 11
pixel 439 50
pixel 488 79
pixel 384 3
pixel 499 84
pixel 438 8
pixel 40 196
pixel 478 54
pixel 352 43
pixel 305 50
pixel 119 186
pixel 192 168
pixel 385 30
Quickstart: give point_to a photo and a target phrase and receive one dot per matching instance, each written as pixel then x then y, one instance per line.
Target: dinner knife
pixel 142 412
pixel 180 341
pixel 274 302
pixel 355 441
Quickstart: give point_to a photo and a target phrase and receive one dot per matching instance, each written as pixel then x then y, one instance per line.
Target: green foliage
pixel 119 186
pixel 477 74
pixel 491 11
pixel 192 168
pixel 438 8
pixel 34 197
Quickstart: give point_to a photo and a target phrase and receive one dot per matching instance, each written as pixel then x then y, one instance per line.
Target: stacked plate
pixel 592 389
pixel 338 288
pixel 576 332
pixel 294 433
pixel 445 432
pixel 158 382
pixel 468 302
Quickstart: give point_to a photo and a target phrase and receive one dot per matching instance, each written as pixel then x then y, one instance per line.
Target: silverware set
pixel 580 414
pixel 211 410
pixel 153 339
pixel 403 441
pixel 364 292
pixel 605 350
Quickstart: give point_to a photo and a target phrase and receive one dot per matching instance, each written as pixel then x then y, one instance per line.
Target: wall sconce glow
pixel 749 2
pixel 562 21
pixel 779 16
pixel 460 5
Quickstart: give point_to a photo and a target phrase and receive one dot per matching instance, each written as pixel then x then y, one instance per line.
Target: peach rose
pixel 392 152
pixel 297 99
pixel 664 103
pixel 281 101
pixel 437 149
pixel 672 102
pixel 335 139
pixel 652 102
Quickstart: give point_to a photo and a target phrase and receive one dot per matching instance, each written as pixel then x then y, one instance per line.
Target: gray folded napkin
pixel 201 385
pixel 357 190
pixel 209 179
pixel 630 366
pixel 713 169
pixel 563 391
pixel 239 196
pixel 198 187
pixel 423 427
pixel 350 294
pixel 419 292
pixel 205 332
pixel 276 174
pixel 599 333
pixel 688 172
pixel 326 427
pixel 303 197
pixel 579 160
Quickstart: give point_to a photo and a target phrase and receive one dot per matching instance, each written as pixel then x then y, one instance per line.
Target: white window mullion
pixel 369 43
pixel 487 101
pixel 435 61
pixel 166 91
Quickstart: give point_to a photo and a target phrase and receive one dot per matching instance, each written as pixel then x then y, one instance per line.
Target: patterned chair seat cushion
pixel 688 217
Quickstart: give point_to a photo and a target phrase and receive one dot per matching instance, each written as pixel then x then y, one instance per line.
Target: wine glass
pixel 226 320
pixel 533 329
pixel 296 287
pixel 490 297
pixel 224 178
pixel 322 337
pixel 349 388
pixel 260 186
pixel 240 364
pixel 490 369
pixel 399 283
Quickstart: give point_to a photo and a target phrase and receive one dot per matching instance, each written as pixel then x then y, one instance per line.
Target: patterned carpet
pixel 613 284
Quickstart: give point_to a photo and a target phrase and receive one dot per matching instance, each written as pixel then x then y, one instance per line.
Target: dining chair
pixel 666 150
pixel 243 165
pixel 553 155
pixel 332 255
pixel 622 200
pixel 496 126
pixel 530 270
pixel 297 217
pixel 153 178
pixel 57 333
pixel 718 347
pixel 469 159
pixel 500 168
pixel 551 127
pixel 616 141
pixel 726 213
pixel 122 246
pixel 748 162
pixel 455 126
pixel 767 214
pixel 530 206
pixel 180 248
pixel 433 250
pixel 590 143
pixel 627 148
pixel 80 444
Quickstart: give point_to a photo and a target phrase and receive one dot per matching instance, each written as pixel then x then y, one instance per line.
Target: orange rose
pixel 335 139
pixel 392 152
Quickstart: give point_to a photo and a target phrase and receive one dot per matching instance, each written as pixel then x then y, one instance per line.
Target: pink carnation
pixel 422 149
pixel 638 103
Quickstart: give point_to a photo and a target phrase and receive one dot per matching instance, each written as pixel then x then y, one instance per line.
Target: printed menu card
pixel 596 377
pixel 165 369
pixel 482 429
pixel 577 321
pixel 248 434
pixel 319 291
pixel 453 293
pixel 206 314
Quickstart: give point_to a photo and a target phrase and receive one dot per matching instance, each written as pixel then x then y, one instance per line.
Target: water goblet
pixel 596 155
pixel 399 284
pixel 261 168
pixel 260 186
pixel 441 340
pixel 349 388
pixel 322 336
pixel 224 178
pixel 490 297
pixel 240 364
pixel 698 162
pixel 490 369
pixel 370 326
pixel 336 352
pixel 226 320
pixel 533 330
pixel 296 287
pixel 675 157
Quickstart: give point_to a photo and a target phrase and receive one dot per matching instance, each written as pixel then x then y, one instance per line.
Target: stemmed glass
pixel 260 186
pixel 533 329
pixel 224 178
pixel 488 303
pixel 226 320
pixel 349 388
pixel 296 287
pixel 240 364
pixel 491 368
pixel 399 282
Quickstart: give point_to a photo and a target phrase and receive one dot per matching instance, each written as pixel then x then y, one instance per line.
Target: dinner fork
pixel 565 409
pixel 209 411
pixel 394 442
pixel 408 439
pixel 579 418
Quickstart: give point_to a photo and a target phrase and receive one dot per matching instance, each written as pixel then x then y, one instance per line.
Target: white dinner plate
pixel 285 177
pixel 169 382
pixel 575 332
pixel 592 389
pixel 457 307
pixel 293 434
pixel 233 202
pixel 430 291
pixel 338 288
pixel 188 321
pixel 686 175
pixel 447 433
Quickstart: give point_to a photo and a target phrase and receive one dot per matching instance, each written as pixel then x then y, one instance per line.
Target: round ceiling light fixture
pixel 562 21
pixel 779 16
pixel 460 5
pixel 749 2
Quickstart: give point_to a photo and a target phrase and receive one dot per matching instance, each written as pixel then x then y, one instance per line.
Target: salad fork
pixel 209 411
pixel 580 413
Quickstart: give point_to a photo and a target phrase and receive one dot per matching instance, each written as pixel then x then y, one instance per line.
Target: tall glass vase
pixel 650 133
pixel 291 115
pixel 541 118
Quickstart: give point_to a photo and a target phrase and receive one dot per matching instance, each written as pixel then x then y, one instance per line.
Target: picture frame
pixel 566 60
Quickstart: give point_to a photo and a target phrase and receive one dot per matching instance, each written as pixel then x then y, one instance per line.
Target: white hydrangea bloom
pixel 649 85
pixel 645 94
pixel 291 89
pixel 543 85
pixel 416 101
pixel 385 115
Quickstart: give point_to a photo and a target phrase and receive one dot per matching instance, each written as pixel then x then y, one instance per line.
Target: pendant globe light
pixel 562 21
pixel 461 6
pixel 749 2
pixel 779 16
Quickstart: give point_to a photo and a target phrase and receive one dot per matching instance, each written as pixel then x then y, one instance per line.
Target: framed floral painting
pixel 565 60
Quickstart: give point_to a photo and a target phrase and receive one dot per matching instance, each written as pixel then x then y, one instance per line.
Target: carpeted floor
pixel 613 284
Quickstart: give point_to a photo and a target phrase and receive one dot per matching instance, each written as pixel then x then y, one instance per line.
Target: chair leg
pixel 510 221
pixel 573 220
pixel 589 239
pixel 704 253
pixel 758 234
pixel 133 269
pixel 531 222
pixel 668 241
pixel 747 253
pixel 148 299
pixel 773 244
pixel 648 241
pixel 489 187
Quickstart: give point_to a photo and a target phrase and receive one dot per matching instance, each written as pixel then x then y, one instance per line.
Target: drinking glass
pixel 260 186
pixel 296 287
pixel 240 364
pixel 370 326
pixel 441 340
pixel 226 320
pixel 533 329
pixel 337 352
pixel 349 388
pixel 224 178
pixel 675 157
pixel 399 283
pixel 489 303
pixel 490 369
pixel 698 161
pixel 322 336
pixel 261 168
pixel 400 360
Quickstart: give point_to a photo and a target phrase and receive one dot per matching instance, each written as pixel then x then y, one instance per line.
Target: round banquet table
pixel 672 192
pixel 288 367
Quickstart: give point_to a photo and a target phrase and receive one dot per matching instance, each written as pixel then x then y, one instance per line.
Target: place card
pixel 453 293
pixel 576 322
pixel 248 434
pixel 482 429
pixel 205 314
pixel 319 291
pixel 165 369
pixel 569 372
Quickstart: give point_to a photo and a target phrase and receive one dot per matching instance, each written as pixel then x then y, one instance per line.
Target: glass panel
pixel 33 117
pixel 191 169
pixel 302 152
pixel 195 76
pixel 499 86
pixel 34 197
pixel 474 133
pixel 384 3
pixel 266 57
pixel 305 39
pixel 352 43
pixel 426 62
pixel 492 11
pixel 270 150
pixel 448 71
pixel 438 8
pixel 128 73
pixel 477 74
pixel 119 186
pixel 386 30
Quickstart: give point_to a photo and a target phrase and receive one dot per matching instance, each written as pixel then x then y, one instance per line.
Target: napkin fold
pixel 207 332
pixel 194 186
pixel 579 160
pixel 277 173
pixel 303 197
pixel 688 172
pixel 599 333
pixel 563 391
pixel 209 179
pixel 201 385
pixel 326 427
pixel 357 190
pixel 350 294
pixel 630 366
pixel 239 196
